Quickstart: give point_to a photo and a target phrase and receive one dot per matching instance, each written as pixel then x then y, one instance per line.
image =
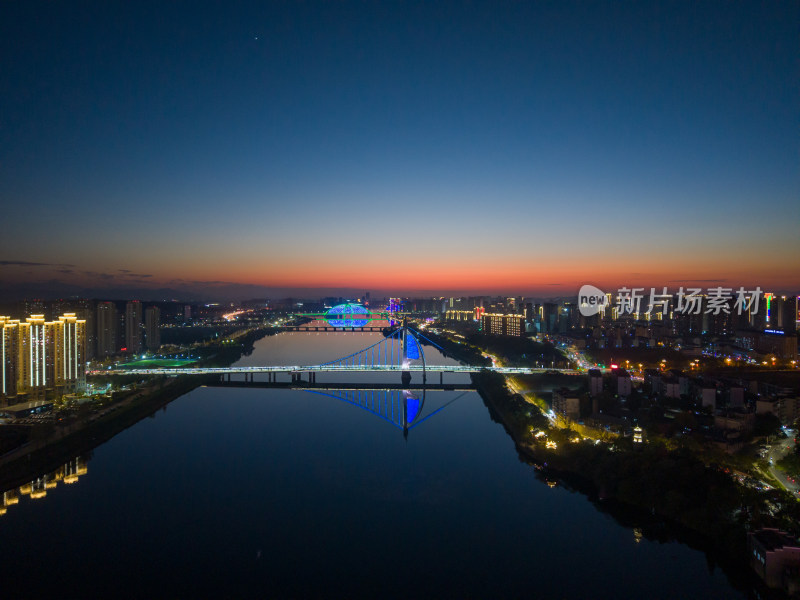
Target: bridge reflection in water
pixel 404 409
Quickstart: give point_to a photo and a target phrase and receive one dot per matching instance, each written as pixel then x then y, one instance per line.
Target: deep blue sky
pixel 406 146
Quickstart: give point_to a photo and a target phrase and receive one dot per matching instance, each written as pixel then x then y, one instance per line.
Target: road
pixel 777 451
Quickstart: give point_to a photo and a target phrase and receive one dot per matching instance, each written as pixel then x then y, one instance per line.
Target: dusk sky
pixel 480 147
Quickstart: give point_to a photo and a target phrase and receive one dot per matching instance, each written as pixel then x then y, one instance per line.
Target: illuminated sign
pixel 776 331
pixel 769 297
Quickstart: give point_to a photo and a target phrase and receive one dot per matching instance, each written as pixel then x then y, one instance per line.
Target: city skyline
pixel 398 148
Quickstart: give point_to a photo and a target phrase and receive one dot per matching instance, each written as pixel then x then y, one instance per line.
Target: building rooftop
pixel 772 539
pixel 24 408
pixel 29 405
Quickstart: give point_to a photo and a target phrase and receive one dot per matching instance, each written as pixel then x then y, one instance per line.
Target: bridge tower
pixel 406 376
pixel 411 342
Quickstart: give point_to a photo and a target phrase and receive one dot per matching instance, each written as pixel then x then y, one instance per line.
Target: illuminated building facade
pixel 459 315
pixel 70 352
pixel 39 355
pixel 9 357
pixel 498 324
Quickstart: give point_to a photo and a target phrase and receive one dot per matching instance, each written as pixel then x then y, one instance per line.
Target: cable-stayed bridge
pixel 399 352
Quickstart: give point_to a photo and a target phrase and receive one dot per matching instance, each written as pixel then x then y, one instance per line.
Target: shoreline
pixel 732 561
pixel 723 541
pixel 17 468
pixel 34 458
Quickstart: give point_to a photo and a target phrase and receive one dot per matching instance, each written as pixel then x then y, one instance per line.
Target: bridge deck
pixel 330 329
pixel 333 369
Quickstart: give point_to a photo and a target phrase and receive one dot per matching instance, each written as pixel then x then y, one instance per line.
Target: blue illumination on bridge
pixel 399 351
pixel 347 315
pixel 412 348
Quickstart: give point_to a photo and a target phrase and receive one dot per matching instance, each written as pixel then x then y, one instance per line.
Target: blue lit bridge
pixel 399 352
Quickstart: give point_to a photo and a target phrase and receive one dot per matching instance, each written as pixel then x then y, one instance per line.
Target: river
pixel 285 493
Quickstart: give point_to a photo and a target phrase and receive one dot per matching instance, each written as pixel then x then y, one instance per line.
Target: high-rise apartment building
pixel 133 326
pixel 39 355
pixel 152 333
pixel 497 324
pixel 9 357
pixel 785 311
pixel 106 329
pixel 84 310
pixel 549 317
pixel 70 352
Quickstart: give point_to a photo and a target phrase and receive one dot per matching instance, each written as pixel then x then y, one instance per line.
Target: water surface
pixel 277 493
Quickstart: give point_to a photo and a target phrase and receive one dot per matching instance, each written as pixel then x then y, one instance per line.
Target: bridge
pixel 401 351
pixel 353 329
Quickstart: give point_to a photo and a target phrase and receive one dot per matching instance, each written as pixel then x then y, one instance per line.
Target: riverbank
pixel 71 440
pixel 669 495
pixel 701 505
pixel 55 444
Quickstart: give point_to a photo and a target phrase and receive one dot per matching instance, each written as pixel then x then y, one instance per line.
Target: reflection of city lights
pixel 36 489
